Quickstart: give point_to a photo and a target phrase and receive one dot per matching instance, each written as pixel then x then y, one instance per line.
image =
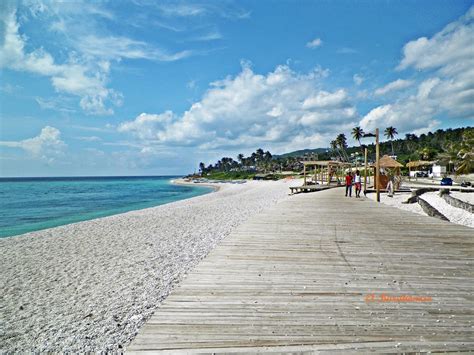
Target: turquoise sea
pixel 30 204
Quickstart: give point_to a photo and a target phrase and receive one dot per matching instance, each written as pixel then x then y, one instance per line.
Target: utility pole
pixel 377 164
pixel 365 174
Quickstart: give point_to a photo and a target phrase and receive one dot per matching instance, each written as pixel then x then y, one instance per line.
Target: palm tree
pixel 202 168
pixel 334 148
pixel 390 133
pixel 357 133
pixel 466 153
pixel 341 141
pixel 241 159
pixel 267 156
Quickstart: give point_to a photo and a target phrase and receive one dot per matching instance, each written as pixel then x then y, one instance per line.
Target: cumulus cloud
pixel 46 146
pixel 317 42
pixel 85 71
pixel 73 77
pixel 450 49
pixel 280 109
pixel 445 89
pixel 394 85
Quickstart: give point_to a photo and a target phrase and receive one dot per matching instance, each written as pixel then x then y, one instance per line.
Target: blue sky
pixel 146 87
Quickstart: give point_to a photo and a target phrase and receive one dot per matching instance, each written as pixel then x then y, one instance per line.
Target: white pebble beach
pixel 396 201
pixel 89 286
pixel 454 214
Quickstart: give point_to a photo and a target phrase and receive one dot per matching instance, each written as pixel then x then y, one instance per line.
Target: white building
pixel 438 170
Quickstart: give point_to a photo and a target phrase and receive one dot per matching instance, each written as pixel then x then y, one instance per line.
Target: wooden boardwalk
pixel 308 275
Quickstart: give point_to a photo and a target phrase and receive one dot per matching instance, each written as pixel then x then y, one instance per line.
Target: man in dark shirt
pixel 349 184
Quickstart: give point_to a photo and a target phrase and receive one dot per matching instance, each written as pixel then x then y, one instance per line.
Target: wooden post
pixel 365 165
pixel 377 164
pixel 304 172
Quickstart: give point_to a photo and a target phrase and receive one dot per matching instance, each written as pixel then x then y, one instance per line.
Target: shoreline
pixel 89 286
pixel 108 213
pixel 181 181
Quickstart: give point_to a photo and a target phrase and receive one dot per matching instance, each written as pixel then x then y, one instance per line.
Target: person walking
pixel 349 184
pixel 390 189
pixel 358 183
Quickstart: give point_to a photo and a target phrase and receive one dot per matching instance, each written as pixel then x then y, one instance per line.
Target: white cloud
pixel 61 104
pixel 317 42
pixel 46 146
pixel 73 77
pixel 113 47
pixel 211 35
pixel 146 126
pixel 445 90
pixel 358 79
pixel 89 138
pixel 85 71
pixel 224 9
pixel 183 10
pixel 450 49
pixel 327 100
pixel 280 109
pixel 394 85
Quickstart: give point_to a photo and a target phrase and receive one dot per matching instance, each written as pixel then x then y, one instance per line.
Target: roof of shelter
pixel 417 163
pixel 388 162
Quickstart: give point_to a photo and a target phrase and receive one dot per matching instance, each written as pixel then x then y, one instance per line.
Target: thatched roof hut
pixel 388 162
pixel 391 169
pixel 418 163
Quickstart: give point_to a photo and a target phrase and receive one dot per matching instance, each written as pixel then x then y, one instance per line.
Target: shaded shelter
pixel 417 164
pixel 325 171
pixel 389 168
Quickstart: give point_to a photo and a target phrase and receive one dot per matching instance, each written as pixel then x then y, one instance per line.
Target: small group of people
pixel 353 179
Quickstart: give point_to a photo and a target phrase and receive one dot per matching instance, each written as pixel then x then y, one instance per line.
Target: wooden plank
pixel 295 278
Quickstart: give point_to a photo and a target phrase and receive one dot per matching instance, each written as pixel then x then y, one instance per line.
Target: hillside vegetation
pixel 453 147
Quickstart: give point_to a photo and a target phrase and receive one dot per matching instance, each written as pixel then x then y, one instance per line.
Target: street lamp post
pixel 365 166
pixel 377 163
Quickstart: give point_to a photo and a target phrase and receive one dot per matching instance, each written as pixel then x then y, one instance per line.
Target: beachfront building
pixel 389 169
pixel 438 170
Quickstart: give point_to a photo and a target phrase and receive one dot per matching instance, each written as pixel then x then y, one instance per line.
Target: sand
pixel 454 214
pixel 89 286
pixel 464 196
pixel 396 201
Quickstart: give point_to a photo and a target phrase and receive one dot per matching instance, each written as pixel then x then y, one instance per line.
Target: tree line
pixel 454 146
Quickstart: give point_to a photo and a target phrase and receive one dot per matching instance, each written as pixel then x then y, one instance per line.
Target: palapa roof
pixel 417 163
pixel 389 162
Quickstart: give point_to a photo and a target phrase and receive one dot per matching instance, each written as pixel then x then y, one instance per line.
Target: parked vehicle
pixel 421 174
pixel 447 181
pixel 465 183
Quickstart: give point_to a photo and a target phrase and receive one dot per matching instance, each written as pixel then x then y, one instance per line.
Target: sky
pixel 143 87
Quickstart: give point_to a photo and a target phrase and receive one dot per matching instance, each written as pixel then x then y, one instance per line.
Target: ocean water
pixel 30 204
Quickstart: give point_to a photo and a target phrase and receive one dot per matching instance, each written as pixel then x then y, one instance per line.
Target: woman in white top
pixel 357 182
